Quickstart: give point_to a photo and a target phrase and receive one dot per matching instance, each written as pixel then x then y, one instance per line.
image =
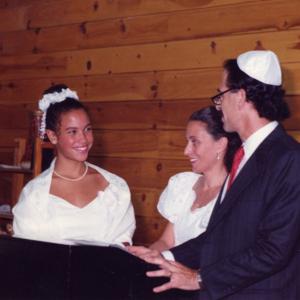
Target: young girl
pixel 73 199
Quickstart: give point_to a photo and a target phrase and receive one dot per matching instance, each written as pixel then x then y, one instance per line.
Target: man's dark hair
pixel 267 99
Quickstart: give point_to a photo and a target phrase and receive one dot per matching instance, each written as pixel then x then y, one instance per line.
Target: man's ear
pixel 242 98
pixel 51 136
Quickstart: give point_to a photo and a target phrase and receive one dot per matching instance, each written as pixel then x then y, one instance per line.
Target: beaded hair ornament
pixel 51 98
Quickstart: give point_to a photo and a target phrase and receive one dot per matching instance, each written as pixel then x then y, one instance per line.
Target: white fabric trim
pixel 52 98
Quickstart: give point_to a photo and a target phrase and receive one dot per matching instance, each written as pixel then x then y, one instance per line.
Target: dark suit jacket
pixel 251 247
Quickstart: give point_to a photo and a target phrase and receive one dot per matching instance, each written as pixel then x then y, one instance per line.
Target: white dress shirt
pixel 250 145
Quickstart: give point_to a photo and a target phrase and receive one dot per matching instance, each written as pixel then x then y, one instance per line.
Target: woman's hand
pixel 143 252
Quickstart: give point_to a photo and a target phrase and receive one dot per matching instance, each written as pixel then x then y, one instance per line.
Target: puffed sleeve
pixel 177 196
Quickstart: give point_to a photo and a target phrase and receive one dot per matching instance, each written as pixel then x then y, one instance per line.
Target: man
pixel 250 249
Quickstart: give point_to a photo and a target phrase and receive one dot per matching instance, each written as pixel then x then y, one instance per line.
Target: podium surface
pixel 41 270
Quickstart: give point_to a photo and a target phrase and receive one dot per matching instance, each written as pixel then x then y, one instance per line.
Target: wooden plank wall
pixel 141 66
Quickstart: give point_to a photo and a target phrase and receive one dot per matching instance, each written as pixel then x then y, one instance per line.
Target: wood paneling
pixel 163 27
pixel 142 172
pixel 170 85
pixel 142 144
pixel 179 55
pixel 8 135
pixel 45 13
pixel 148 229
pixel 162 85
pixel 128 143
pixel 141 67
pixel 145 201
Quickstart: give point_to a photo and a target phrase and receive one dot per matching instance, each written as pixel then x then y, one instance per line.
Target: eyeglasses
pixel 217 99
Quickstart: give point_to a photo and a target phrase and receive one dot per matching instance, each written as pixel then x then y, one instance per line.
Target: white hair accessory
pixel 262 65
pixel 52 98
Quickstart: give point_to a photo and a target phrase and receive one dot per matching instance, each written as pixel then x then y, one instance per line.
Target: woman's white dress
pixel 175 205
pixel 109 218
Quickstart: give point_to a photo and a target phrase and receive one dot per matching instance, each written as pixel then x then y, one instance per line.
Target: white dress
pixel 109 218
pixel 175 205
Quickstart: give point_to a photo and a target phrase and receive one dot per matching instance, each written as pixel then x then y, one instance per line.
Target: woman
pixel 73 199
pixel 189 198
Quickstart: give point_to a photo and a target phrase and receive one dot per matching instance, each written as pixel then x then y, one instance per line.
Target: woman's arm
pixel 166 241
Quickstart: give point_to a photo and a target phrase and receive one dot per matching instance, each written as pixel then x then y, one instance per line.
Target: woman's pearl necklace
pixel 73 179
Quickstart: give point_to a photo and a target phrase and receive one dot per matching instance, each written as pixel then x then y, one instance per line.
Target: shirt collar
pixel 255 139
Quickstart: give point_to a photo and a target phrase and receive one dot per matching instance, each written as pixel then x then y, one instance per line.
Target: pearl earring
pixel 218 156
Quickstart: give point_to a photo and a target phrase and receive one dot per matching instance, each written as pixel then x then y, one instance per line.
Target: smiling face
pixel 202 148
pixel 74 137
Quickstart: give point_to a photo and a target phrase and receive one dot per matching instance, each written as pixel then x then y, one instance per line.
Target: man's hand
pixel 180 276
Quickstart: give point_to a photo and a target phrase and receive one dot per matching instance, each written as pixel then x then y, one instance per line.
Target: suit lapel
pixel 244 178
pixel 249 172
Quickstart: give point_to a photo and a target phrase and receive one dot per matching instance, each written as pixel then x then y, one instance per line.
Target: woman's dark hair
pixel 267 99
pixel 213 120
pixel 55 110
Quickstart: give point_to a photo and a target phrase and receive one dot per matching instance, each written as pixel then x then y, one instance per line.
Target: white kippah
pixel 261 65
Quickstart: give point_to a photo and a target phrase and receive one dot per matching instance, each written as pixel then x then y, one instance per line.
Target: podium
pixel 41 270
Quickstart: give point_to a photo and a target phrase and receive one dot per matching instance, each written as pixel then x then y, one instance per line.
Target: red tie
pixel 238 156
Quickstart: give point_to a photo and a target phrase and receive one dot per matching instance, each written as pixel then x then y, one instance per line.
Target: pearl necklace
pixel 73 179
